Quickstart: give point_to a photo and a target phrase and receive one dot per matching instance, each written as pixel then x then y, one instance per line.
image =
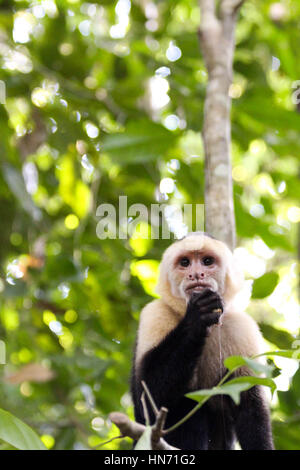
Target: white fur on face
pixel 213 285
pixel 227 281
pixel 179 281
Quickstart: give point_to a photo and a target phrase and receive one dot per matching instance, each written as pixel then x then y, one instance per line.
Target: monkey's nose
pixel 196 276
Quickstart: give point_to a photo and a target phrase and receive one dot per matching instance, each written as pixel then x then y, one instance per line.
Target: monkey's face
pixel 194 263
pixel 196 270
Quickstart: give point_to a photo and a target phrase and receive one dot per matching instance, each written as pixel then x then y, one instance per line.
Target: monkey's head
pixel 196 262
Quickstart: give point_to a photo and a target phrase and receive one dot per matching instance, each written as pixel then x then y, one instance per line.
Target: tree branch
pixel 158 427
pixel 134 430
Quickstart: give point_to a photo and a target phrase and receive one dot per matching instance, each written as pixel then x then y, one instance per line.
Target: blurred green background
pixel 105 99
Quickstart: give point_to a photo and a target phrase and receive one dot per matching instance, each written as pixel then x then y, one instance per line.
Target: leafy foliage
pixel 18 434
pixel 264 285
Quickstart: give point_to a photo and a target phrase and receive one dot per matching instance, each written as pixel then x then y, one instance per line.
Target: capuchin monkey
pixel 183 339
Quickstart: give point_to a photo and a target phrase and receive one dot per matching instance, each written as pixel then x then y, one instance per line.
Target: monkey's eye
pixel 208 260
pixel 184 262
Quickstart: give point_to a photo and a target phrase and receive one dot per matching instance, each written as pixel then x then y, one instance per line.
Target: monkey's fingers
pixel 215 304
pixel 203 298
pixel 211 319
pixel 213 297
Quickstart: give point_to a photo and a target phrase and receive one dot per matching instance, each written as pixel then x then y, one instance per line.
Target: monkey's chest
pixel 210 365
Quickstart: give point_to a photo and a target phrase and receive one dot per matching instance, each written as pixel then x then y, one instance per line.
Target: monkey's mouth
pixel 197 287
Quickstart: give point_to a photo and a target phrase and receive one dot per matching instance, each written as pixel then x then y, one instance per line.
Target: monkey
pixel 182 340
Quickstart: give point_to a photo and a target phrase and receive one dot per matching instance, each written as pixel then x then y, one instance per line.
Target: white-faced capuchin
pixel 183 339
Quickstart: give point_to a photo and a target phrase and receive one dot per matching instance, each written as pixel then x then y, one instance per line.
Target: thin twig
pixel 109 440
pixel 145 409
pixel 150 398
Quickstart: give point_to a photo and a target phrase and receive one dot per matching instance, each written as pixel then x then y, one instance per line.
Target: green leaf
pixel 233 362
pixel 62 268
pixel 16 184
pixel 144 442
pixel 140 142
pixel 289 353
pixel 18 434
pixel 282 339
pixel 233 390
pixel 252 380
pixel 264 285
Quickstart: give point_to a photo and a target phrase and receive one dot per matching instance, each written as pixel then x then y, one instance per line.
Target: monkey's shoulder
pixel 157 319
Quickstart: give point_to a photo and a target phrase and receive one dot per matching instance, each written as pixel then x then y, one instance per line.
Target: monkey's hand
pixel 204 308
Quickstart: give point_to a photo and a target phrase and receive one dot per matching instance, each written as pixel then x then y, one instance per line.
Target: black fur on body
pixel 168 368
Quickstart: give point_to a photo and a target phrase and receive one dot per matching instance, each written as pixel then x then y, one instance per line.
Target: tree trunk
pixel 216 35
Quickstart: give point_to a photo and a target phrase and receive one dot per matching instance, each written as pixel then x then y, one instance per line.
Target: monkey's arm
pixel 167 368
pixel 253 426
